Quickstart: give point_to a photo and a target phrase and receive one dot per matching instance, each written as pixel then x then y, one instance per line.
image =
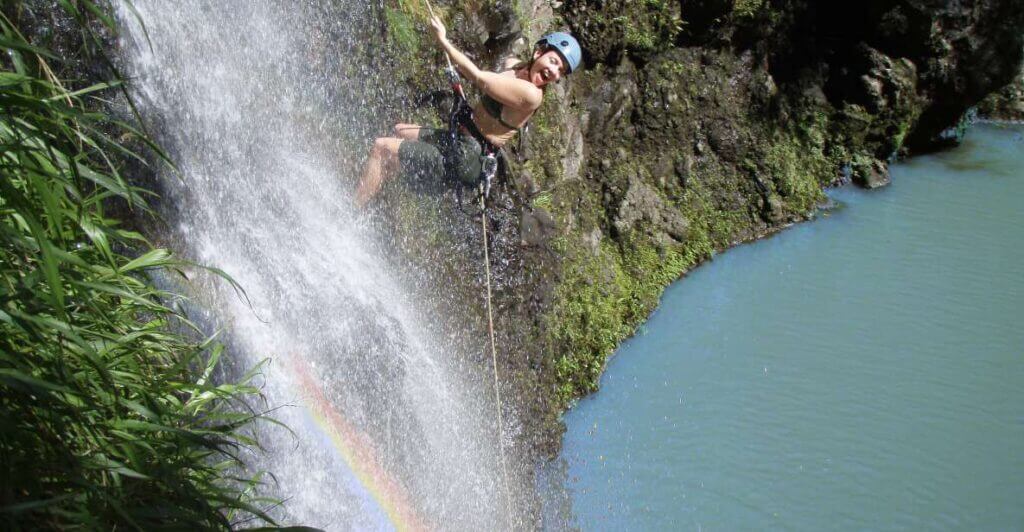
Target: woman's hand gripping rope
pixel 437 27
pixel 440 32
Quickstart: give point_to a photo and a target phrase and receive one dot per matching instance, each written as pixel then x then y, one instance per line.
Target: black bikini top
pixel 494 108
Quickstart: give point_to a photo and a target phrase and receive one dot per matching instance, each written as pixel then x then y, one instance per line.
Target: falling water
pixel 266 110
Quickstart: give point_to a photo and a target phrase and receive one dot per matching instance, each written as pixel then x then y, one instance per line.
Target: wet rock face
pixel 1007 103
pixel 536 228
pixel 644 209
pixel 950 54
pixel 872 175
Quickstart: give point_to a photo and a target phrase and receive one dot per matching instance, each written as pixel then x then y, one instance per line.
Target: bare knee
pixel 383 147
pixel 382 164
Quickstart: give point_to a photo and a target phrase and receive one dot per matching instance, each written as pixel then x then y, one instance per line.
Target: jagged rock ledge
pixel 1007 104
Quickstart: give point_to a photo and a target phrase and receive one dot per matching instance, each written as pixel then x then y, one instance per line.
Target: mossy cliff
pixel 694 126
pixel 1007 103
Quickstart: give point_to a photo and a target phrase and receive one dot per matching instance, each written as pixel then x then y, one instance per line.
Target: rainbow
pixel 356 448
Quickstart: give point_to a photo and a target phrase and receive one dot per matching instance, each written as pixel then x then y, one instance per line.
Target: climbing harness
pixel 461 119
pixel 462 116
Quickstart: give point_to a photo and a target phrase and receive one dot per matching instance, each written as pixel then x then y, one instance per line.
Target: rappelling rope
pixel 490 312
pixel 494 360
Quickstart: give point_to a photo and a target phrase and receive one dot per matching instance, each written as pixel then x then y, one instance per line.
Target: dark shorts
pixel 422 160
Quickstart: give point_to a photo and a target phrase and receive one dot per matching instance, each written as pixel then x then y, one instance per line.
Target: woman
pixel 507 102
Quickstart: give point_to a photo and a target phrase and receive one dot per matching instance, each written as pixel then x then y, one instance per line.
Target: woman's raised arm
pixel 512 92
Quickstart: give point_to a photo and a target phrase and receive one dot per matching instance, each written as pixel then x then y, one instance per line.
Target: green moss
pixel 587 321
pixel 402 31
pixel 652 270
pixel 746 8
pixel 642 26
pixel 901 135
pixel 711 229
pixel 542 201
pixel 601 300
pixel 546 143
pixel 795 169
pixel 674 71
pixel 605 294
pixel 410 52
pixel 813 129
pixel 860 163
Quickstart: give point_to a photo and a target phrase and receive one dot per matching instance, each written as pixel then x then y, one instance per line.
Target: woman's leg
pixel 408 131
pixel 381 165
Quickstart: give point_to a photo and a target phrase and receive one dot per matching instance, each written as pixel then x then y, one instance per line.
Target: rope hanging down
pixel 457 88
pixel 494 358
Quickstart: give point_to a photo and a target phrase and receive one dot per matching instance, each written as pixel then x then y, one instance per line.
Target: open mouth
pixel 545 75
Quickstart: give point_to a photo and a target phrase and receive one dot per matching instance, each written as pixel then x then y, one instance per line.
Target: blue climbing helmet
pixel 566 45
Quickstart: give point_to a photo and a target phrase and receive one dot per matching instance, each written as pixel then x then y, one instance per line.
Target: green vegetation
pixel 605 294
pixel 650 25
pixel 542 201
pixel 601 300
pixel 402 30
pixel 109 415
pixel 411 53
pixel 795 169
pixel 746 8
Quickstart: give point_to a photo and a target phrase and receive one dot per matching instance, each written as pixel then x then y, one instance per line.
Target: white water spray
pixel 266 116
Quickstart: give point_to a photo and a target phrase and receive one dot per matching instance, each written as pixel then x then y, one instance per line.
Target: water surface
pixel 864 371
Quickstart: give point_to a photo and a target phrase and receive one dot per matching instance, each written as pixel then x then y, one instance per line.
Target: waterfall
pixel 266 111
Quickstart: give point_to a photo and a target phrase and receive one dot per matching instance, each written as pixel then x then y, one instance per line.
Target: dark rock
pixel 702 14
pixel 526 184
pixel 683 168
pixel 644 209
pixel 592 240
pixel 502 23
pixel 960 51
pixel 663 170
pixel 873 175
pixel 774 209
pixel 611 102
pixel 1005 104
pixel 814 93
pixel 536 227
pixel 725 141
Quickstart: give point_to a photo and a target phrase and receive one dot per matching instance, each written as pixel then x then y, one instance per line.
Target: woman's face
pixel 548 67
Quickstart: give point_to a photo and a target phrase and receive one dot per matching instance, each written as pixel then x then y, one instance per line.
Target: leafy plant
pixel 109 415
pixel 746 8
